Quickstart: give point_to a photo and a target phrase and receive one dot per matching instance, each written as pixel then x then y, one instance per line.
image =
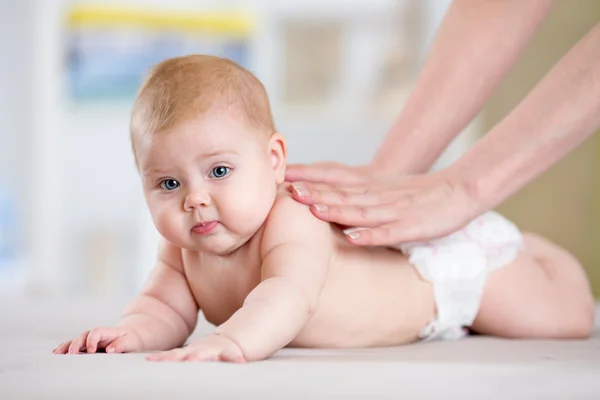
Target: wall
pixel 563 204
pixel 15 129
pixel 84 225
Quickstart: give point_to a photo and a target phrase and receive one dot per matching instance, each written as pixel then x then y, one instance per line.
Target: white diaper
pixel 458 266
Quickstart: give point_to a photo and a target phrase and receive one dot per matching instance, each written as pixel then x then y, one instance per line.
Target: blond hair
pixel 181 88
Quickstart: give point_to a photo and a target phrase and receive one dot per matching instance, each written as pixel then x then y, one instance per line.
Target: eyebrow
pixel 217 152
pixel 212 153
pixel 153 171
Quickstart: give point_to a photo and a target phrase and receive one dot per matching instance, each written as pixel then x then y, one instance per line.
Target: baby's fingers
pixel 171 355
pixel 232 355
pixel 93 338
pixel 62 348
pixel 78 343
pixel 122 344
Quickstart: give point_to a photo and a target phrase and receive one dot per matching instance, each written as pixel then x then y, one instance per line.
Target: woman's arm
pixel 475 47
pixel 560 113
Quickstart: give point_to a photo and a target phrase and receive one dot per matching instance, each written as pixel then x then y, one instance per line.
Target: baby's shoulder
pixel 289 220
pixel 288 212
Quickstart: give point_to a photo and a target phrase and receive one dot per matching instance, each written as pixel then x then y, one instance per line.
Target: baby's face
pixel 211 182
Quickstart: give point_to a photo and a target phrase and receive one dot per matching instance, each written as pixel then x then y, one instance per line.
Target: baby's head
pixel 207 152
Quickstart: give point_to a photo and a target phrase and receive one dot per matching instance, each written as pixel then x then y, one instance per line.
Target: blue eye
pixel 169 184
pixel 219 172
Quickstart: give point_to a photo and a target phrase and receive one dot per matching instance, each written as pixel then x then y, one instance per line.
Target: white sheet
pixel 476 367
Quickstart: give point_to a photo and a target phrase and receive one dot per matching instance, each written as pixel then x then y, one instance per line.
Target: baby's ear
pixel 278 152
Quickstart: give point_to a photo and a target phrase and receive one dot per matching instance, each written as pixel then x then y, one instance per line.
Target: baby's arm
pixel 544 293
pixel 165 313
pixel 160 318
pixel 297 249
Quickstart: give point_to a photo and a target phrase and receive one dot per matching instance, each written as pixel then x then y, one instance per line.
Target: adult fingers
pixel 296 172
pixel 329 195
pixel 332 173
pixel 363 216
pixel 416 228
pixel 385 235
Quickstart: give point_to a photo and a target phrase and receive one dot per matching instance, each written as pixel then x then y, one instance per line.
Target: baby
pixel 269 274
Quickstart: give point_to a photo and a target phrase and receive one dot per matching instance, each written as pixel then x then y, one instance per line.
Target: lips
pixel 205 228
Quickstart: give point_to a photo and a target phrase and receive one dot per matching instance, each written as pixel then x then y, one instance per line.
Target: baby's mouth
pixel 205 228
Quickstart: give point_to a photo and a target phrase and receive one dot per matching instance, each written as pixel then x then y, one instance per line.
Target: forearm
pixel 561 112
pixel 474 49
pixel 272 316
pixel 160 327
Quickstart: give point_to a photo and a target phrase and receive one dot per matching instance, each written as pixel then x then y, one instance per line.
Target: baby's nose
pixel 196 199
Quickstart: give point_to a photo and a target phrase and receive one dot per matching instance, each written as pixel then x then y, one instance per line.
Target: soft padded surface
pixel 477 367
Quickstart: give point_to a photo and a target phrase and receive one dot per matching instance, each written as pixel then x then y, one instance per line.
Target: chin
pixel 217 246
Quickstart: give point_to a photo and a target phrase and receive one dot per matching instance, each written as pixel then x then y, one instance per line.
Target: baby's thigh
pixel 527 297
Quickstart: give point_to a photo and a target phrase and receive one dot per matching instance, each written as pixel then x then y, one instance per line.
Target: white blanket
pixel 476 367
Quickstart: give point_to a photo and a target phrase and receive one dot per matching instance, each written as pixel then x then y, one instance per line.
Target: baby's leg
pixel 544 293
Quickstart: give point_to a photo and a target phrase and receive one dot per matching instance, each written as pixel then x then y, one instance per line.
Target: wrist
pixel 133 329
pixel 394 163
pixel 378 167
pixel 141 325
pixel 471 183
pixel 220 334
pixel 383 168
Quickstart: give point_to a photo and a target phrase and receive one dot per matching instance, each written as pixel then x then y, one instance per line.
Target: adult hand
pixel 330 172
pixel 384 209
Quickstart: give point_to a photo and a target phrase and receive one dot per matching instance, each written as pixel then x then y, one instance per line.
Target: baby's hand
pixel 210 348
pixel 112 340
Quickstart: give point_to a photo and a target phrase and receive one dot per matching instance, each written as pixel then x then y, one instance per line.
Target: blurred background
pixel 72 217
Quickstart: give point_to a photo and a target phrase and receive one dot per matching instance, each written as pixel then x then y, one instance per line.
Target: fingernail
pixel 353 233
pixel 300 189
pixel 110 349
pixel 321 207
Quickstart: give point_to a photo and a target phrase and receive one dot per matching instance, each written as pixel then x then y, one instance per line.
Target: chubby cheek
pixel 247 208
pixel 165 220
